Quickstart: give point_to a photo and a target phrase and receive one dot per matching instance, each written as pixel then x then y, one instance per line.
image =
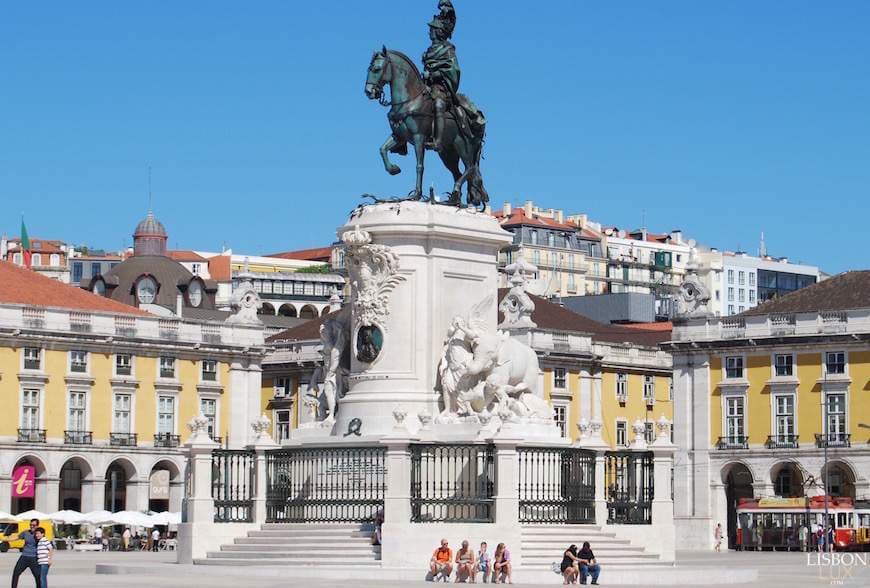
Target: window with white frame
pixel 731 276
pixel 621 385
pixel 209 370
pixel 166 415
pixel 784 406
pixel 559 378
pixel 835 362
pixel 649 387
pixel 32 358
pixel 741 278
pixel 752 296
pixel 734 366
pixel 836 408
pixel 36 260
pixel 195 268
pixel 751 278
pixel 30 409
pixel 730 294
pixel 730 309
pixel 784 364
pixel 649 432
pixel 208 409
pixel 55 259
pixel 734 418
pixel 309 289
pixel 298 288
pixel 621 434
pixel 78 362
pixel 560 416
pixel 167 367
pixel 318 289
pixel 741 308
pixel 123 364
pixel 282 386
pixel 121 419
pixel 741 295
pixel 77 411
pixel 282 425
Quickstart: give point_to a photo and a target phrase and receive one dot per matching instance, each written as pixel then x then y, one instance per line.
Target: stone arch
pixel 34 460
pixel 75 471
pixel 324 311
pixel 23 504
pixel 841 480
pixel 309 311
pixel 267 309
pixel 740 468
pixel 788 479
pixel 118 474
pixel 738 478
pixel 288 310
pixel 163 491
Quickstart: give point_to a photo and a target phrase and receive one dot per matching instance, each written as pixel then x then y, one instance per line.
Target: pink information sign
pixel 23 481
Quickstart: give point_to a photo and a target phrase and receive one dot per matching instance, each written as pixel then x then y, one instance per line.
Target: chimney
pixel 528 208
pixel 677 236
pixel 560 216
pixel 506 209
pixel 643 234
pixel 179 304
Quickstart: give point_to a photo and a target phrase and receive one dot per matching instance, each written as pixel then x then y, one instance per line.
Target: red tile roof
pixel 316 254
pixel 19 285
pixel 518 217
pixel 660 326
pixel 219 268
pixel 38 245
pixel 185 255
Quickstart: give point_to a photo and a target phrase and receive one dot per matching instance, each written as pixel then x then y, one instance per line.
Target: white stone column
pixel 137 494
pixel 47 494
pixel 396 528
pixel 6 494
pixel 585 396
pixel 176 495
pixel 261 444
pixel 507 500
pixel 244 396
pixel 662 504
pixel 198 512
pixel 95 496
pixel 600 502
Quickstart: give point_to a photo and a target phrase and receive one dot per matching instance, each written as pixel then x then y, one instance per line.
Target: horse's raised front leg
pixel 391 167
pixel 420 151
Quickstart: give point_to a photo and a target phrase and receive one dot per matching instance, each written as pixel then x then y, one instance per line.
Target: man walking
pixel 28 555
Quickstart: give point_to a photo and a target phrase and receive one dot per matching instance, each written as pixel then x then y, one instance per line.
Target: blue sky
pixel 722 118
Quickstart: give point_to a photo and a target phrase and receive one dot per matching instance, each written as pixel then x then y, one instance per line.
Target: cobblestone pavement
pixel 76 570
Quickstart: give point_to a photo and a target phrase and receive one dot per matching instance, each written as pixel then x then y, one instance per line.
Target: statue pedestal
pixel 448 261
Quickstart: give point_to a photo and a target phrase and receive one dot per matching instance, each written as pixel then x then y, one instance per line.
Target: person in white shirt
pixel 155 539
pixel 44 555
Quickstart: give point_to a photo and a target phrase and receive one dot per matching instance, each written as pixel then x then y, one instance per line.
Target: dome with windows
pixel 150 237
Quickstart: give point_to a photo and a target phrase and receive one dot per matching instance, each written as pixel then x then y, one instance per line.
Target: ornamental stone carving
pixel 198 426
pixel 245 302
pixel 693 296
pixel 260 426
pixel 517 306
pixel 334 368
pixel 373 271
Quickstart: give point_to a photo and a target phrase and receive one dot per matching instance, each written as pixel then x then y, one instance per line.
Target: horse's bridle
pixel 380 85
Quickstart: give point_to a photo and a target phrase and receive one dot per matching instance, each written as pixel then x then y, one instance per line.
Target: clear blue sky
pixel 720 118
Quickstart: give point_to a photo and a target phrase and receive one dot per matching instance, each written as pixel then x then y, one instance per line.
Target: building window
pixel 318 289
pixel 78 362
pixel 835 362
pixel 730 276
pixel 649 432
pixel 536 257
pixel 836 415
pixel 121 419
pixel 123 364
pixel 533 236
pixel 752 296
pixel 36 260
pixel 195 268
pixel 267 287
pixel 559 378
pixel 741 295
pixel 30 409
pixel 166 415
pixel 551 239
pixel 55 259
pixel 560 417
pixel 784 364
pixel 308 290
pixel 32 358
pixel 649 388
pixel 77 418
pixel 734 367
pixel 167 367
pixel 298 288
pixel 621 434
pixel 208 409
pixel 282 425
pixel 782 484
pixel 209 370
pixel 78 271
pixel 730 294
pixel 734 425
pixel 784 416
pixel 751 278
pixel 741 308
pixel 730 309
pixel 621 385
pixel 741 278
pixel 282 387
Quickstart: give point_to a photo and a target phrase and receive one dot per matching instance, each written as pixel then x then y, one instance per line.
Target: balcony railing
pixel 833 440
pixel 78 438
pixel 782 442
pixel 122 439
pixel 166 440
pixel 733 442
pixel 31 435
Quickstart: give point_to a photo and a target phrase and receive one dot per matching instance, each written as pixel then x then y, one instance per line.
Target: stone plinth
pixel 447 260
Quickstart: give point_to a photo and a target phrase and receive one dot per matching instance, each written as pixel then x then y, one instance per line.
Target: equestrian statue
pixel 428 111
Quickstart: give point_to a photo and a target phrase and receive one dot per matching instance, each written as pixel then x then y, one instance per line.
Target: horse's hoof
pixel 394 170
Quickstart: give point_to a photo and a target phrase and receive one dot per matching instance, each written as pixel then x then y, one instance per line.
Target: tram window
pixel 842 519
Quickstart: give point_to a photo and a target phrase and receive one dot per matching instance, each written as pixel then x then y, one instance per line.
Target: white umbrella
pixel 70 517
pixel 5 517
pixel 31 514
pixel 132 518
pixel 98 517
pixel 166 518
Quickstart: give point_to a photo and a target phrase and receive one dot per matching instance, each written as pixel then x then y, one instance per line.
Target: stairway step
pixel 218 561
pixel 293 540
pixel 314 559
pixel 311 534
pixel 318 526
pixel 303 549
pixel 535 549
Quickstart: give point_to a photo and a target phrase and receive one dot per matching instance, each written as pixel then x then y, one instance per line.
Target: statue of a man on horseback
pixel 429 112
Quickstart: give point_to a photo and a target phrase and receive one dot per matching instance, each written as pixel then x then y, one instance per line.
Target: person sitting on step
pixel 441 562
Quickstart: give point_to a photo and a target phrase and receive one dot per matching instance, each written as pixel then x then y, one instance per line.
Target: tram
pixel 775 523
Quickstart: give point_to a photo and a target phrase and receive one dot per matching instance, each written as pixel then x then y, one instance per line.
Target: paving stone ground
pixel 76 570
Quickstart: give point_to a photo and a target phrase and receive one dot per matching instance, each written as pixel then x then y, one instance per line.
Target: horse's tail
pixel 477 194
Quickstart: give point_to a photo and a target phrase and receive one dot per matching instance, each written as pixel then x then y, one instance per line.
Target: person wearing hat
pixel 441 67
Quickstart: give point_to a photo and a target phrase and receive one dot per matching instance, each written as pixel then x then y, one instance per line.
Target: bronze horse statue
pixel 411 117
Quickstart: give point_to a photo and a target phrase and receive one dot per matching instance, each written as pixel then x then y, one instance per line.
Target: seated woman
pixel 501 567
pixel 484 565
pixel 588 565
pixel 570 565
pixel 464 563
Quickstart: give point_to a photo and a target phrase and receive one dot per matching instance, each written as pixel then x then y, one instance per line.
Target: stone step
pixel 304 540
pixel 550 557
pixel 310 533
pixel 536 549
pixel 317 526
pixel 293 563
pixel 303 549
pixel 314 559
pixel 566 541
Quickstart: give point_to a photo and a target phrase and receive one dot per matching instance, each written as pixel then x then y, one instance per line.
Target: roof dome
pixel 150 237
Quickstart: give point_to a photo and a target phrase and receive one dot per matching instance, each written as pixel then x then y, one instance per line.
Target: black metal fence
pixel 326 484
pixel 556 485
pixel 232 485
pixel 452 483
pixel 628 479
